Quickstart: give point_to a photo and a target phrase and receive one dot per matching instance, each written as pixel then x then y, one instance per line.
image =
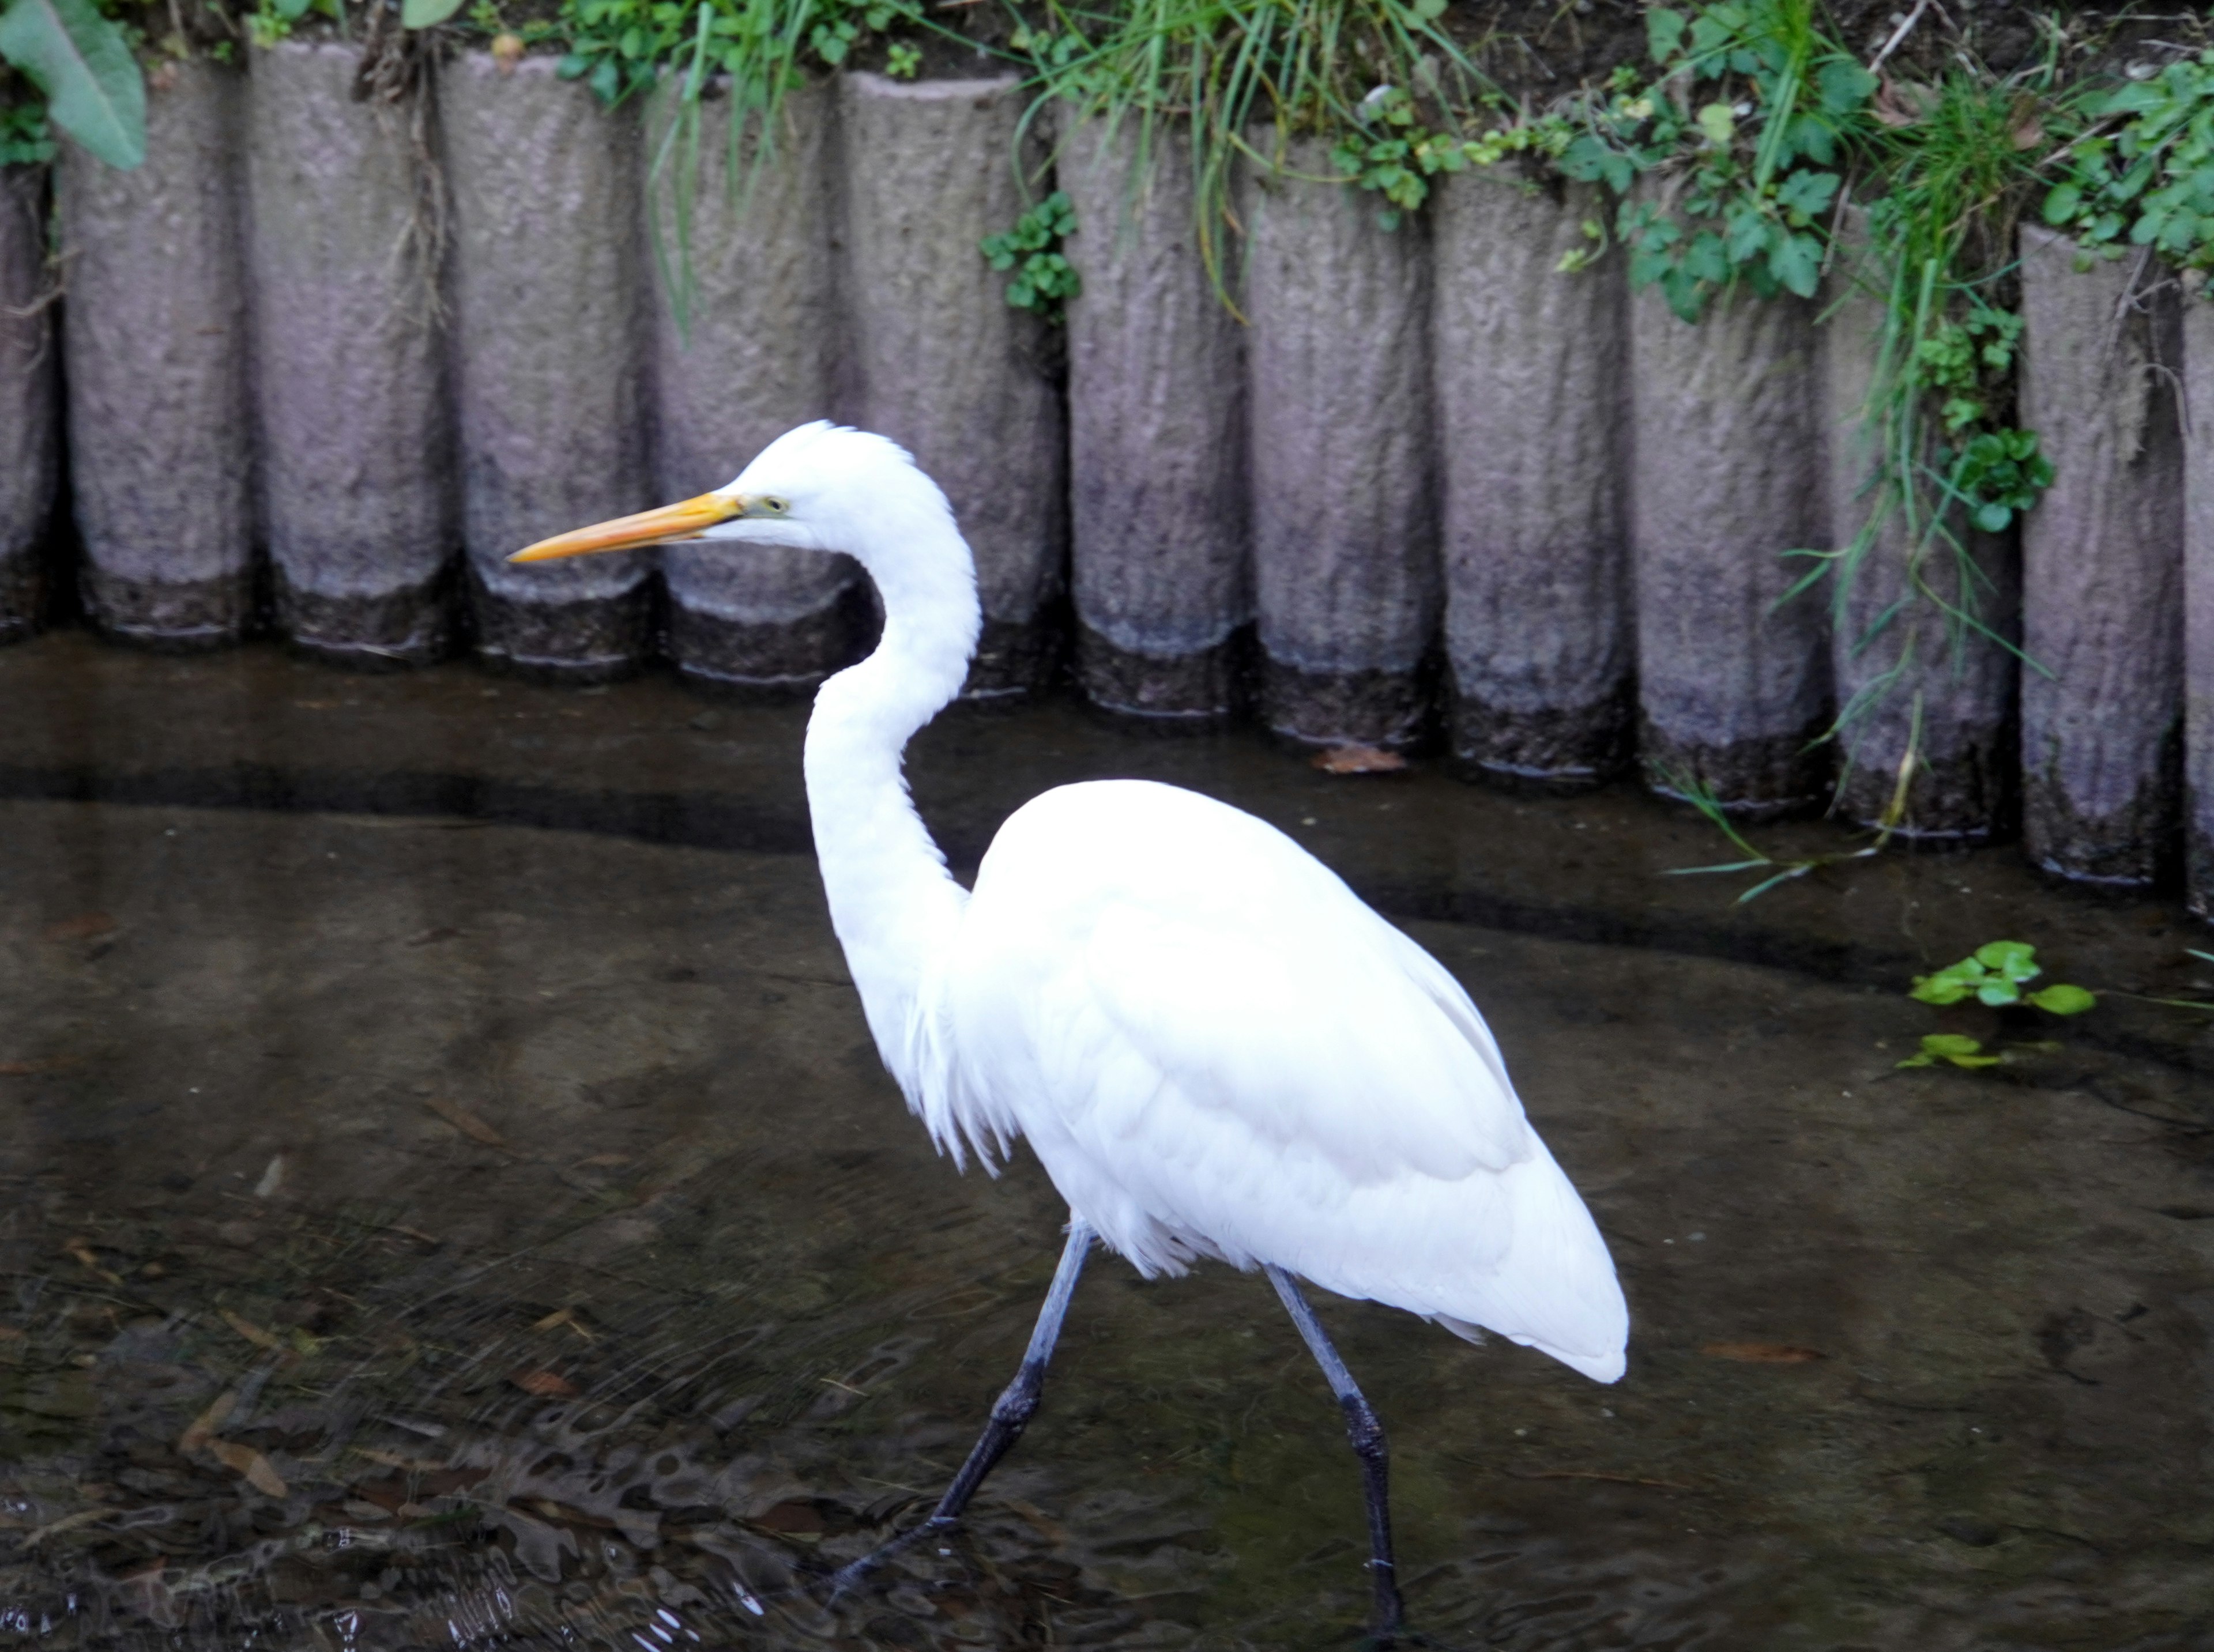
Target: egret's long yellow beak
pixel 683 520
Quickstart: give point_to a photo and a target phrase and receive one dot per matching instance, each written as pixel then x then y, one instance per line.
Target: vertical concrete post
pixel 155 350
pixel 1530 369
pixel 1727 476
pixel 2199 603
pixel 549 262
pixel 945 367
pixel 1345 556
pixel 761 356
pixel 1157 436
pixel 2102 566
pixel 30 446
pixel 1891 648
pixel 356 438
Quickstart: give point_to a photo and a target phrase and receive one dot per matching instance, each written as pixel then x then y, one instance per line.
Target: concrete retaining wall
pixel 30 420
pixel 1530 370
pixel 756 353
pixel 1727 474
pixel 2198 606
pixel 2102 566
pixel 1161 542
pixel 1435 482
pixel 158 359
pixel 1907 675
pixel 549 341
pixel 358 474
pixel 1345 567
pixel 945 367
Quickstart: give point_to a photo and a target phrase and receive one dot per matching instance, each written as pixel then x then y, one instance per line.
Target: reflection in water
pixel 427 1233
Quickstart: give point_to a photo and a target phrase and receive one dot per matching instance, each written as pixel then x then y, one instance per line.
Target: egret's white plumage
pixel 1214 1046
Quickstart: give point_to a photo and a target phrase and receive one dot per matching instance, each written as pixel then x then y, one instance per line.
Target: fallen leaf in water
pixel 244 1460
pixel 549 1385
pixel 564 1316
pixel 82 1251
pixel 466 1122
pixel 252 1333
pixel 1762 1353
pixel 1359 759
pixel 67 1523
pixel 441 932
pixel 604 1159
pixel 84 927
pixel 202 1428
pixel 11 1332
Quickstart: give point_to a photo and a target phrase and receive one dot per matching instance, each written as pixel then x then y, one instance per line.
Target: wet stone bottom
pixel 426 1232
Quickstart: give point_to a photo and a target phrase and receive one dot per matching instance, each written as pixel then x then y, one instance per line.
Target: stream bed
pixel 451 1200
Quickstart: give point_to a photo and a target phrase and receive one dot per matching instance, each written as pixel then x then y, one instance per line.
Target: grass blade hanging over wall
pixel 94 91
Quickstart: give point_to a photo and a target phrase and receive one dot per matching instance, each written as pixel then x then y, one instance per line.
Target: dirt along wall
pixel 1427 489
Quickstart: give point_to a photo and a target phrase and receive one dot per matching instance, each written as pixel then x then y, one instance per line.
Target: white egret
pixel 1214 1046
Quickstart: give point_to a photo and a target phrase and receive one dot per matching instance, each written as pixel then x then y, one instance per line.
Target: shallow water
pixel 453 1201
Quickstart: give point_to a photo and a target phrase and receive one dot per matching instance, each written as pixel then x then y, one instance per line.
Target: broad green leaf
pixel 1844 85
pixel 2061 999
pixel 1798 263
pixel 2016 959
pixel 1997 993
pixel 1664 31
pixel 424 13
pixel 78 58
pixel 1719 125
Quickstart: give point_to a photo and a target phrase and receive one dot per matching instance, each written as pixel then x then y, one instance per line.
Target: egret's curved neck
pixel 894 906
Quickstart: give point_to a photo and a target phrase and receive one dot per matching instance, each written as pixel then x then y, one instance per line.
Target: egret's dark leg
pixel 1367 1436
pixel 1011 1413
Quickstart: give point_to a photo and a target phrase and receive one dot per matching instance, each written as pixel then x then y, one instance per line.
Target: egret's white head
pixel 820 487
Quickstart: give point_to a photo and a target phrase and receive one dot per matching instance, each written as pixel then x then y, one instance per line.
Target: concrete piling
pixel 945 367
pixel 1906 673
pixel 1529 370
pixel 549 265
pixel 2102 566
pixel 30 445
pixel 155 351
pixel 1158 566
pixel 1345 568
pixel 2199 603
pixel 357 477
pixel 758 356
pixel 1727 476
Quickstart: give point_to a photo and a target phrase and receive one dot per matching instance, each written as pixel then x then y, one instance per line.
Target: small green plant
pixel 1745 127
pixel 82 64
pixel 25 136
pixel 902 61
pixel 2142 173
pixel 1997 475
pixel 1242 76
pixel 1957 1048
pixel 1044 278
pixel 273 20
pixel 1996 974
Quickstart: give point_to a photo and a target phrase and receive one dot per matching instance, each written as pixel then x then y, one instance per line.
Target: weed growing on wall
pixel 2141 171
pixel 1044 280
pixel 1245 75
pixel 1745 128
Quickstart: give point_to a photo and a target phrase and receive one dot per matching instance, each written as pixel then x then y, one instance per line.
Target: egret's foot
pixel 854 1573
